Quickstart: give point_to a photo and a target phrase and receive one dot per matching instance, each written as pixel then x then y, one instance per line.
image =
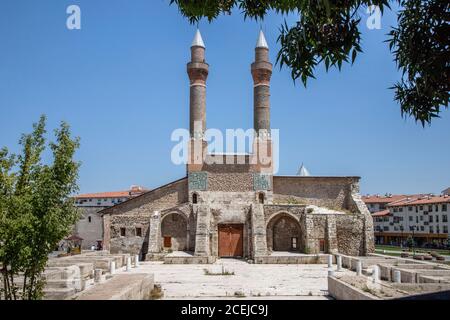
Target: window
pixel 138 232
pixel 445 229
pixel 431 229
pixel 400 209
pixel 122 232
pixel 261 197
pixel 436 208
pixel 444 207
pixel 417 209
pixel 411 218
pixel 410 208
pixel 385 228
pixel 417 219
pixel 422 228
pixel 430 219
pixel 444 218
pixel 194 198
pixel 437 218
pixel 430 208
pixel 421 218
pixel 421 208
pixel 437 229
pixel 294 242
pixel 90 219
pixel 395 209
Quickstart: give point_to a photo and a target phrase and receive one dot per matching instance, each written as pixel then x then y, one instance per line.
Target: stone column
pixel 202 243
pixel 136 261
pixel 154 241
pixel 397 276
pixel 358 268
pixel 112 267
pixel 128 264
pixel 339 262
pixel 331 234
pixel 376 274
pixel 330 261
pixel 259 238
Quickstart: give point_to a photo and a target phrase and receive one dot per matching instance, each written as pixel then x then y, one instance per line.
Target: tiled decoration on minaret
pixel 198 181
pixel 261 182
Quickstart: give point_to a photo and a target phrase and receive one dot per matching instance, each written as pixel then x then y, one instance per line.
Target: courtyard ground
pixel 244 281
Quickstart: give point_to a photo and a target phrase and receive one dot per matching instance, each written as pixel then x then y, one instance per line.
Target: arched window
pixel 89 219
pixel 194 198
pixel 261 197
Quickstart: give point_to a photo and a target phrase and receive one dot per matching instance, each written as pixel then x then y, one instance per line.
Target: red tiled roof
pixel 383 199
pixel 113 194
pixel 381 213
pixel 422 200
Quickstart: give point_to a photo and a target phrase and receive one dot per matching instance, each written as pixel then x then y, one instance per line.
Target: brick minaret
pixel 261 72
pixel 197 70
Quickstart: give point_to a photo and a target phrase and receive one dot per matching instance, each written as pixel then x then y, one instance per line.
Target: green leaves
pixel 420 45
pixel 36 210
pixel 327 32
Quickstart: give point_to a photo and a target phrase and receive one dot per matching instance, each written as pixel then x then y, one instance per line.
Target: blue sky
pixel 121 83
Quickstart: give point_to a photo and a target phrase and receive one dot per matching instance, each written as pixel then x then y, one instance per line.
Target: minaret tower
pixel 197 70
pixel 261 73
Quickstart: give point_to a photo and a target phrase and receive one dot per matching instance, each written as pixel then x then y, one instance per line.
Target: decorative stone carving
pixel 198 181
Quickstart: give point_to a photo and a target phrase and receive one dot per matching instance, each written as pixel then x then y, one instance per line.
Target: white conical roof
pixel 198 41
pixel 261 43
pixel 303 172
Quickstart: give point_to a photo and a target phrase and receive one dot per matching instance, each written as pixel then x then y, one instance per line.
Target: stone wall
pixel 90 231
pixel 131 242
pixel 164 197
pixel 136 213
pixel 331 192
pixel 350 234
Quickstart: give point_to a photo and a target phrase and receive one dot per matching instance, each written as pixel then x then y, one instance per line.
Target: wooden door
pixel 231 242
pixel 167 242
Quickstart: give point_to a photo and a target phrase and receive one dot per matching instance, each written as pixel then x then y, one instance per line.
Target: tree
pixel 410 242
pixel 36 208
pixel 327 32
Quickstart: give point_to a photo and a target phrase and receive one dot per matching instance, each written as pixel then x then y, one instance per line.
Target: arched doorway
pixel 283 233
pixel 174 233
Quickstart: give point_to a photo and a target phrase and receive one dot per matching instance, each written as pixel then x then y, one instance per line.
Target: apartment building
pixel 423 217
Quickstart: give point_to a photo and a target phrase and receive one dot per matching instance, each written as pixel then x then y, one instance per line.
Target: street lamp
pixel 401 237
pixel 413 229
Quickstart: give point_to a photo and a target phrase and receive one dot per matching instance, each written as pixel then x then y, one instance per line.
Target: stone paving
pixel 250 281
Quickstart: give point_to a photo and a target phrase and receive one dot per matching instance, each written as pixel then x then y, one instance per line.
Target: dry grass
pixel 156 292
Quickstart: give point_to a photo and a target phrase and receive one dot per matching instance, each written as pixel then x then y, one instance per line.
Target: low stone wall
pixel 136 286
pixel 189 260
pixel 344 291
pixel 303 259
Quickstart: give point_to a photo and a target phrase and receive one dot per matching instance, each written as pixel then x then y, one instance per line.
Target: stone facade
pixel 90 226
pixel 232 205
pixel 170 212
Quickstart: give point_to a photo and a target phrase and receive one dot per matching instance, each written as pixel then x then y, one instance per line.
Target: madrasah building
pixel 239 208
